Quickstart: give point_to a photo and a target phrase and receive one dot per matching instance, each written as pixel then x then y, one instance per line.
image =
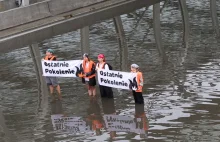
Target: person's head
pixel 134 68
pixel 101 58
pixel 86 57
pixel 49 52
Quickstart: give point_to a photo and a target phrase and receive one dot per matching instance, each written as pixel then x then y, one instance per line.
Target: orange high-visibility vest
pixel 88 68
pixel 140 81
pixel 47 58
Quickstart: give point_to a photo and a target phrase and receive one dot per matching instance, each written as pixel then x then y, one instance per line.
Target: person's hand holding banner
pixel 80 75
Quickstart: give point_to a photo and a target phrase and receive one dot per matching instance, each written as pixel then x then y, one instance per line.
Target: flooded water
pixel 181 90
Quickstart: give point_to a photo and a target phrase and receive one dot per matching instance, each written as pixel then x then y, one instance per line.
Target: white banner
pixel 117 79
pixel 61 68
pixel 120 123
pixel 70 124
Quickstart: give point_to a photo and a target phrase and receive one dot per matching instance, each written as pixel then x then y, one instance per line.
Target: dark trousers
pixel 106 91
pixel 138 97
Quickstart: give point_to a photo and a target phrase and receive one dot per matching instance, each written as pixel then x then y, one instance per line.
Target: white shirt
pixel 100 66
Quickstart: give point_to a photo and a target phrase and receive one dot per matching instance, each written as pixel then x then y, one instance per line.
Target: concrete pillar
pixel 185 18
pixel 123 48
pixel 157 31
pixel 42 86
pixel 36 57
pixel 43 104
pixel 84 32
pixel 213 9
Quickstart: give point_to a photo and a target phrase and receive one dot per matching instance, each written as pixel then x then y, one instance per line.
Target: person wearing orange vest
pixel 104 90
pixel 88 74
pixel 138 97
pixel 52 81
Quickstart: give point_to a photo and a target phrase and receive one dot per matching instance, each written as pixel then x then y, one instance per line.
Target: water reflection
pixel 99 123
pixel 7 137
pixel 63 123
pixel 94 118
pixel 215 23
pixel 185 19
pixel 108 106
pixel 119 123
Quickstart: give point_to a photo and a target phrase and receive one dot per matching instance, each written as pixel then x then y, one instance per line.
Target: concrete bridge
pixel 25 25
pixel 37 20
pixel 30 24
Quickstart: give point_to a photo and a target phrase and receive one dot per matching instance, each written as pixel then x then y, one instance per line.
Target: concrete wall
pixel 7 4
pixel 23 15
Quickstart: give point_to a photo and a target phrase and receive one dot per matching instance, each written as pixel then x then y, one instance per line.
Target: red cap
pixel 101 56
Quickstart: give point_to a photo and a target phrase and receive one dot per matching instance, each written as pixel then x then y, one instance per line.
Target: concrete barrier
pixel 23 15
pixel 62 6
pixel 45 32
pixel 6 4
pixel 10 4
pixel 19 16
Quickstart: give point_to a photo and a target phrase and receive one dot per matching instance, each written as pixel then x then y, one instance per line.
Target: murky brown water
pixel 182 94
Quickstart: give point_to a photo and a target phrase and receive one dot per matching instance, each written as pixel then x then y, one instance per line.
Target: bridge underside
pixel 34 32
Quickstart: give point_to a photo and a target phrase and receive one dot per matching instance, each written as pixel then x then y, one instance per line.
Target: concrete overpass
pixel 24 26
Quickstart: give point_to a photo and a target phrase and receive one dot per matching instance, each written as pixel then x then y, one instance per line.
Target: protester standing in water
pixel 138 97
pixel 104 90
pixel 88 74
pixel 52 82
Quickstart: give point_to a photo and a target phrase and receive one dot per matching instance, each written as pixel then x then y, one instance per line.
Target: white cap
pixel 135 66
pixel 86 55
